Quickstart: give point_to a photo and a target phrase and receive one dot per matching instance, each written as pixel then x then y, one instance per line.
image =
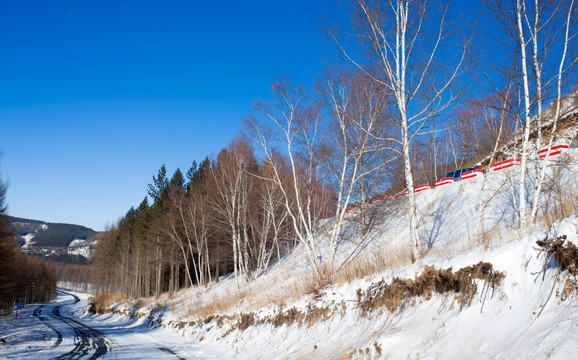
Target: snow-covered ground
pixel 85 251
pixel 532 314
pixel 38 333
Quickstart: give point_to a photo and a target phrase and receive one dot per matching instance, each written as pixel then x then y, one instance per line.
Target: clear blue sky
pixel 96 95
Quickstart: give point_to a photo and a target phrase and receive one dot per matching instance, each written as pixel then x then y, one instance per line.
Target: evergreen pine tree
pixel 159 185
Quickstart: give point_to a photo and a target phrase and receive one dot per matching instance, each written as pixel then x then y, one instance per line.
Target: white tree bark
pixel 527 115
pixel 393 52
pixel 542 172
pixel 296 131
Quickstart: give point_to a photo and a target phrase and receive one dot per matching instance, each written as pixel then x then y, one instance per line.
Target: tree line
pixel 221 217
pixel 23 278
pixel 384 119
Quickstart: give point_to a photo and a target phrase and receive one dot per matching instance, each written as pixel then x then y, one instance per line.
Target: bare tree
pixel 232 184
pixel 287 130
pixel 270 221
pixel 356 108
pixel 535 29
pixel 395 33
pixel 558 106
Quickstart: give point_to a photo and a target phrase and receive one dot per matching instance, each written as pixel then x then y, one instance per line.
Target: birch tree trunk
pixel 293 172
pixel 542 171
pixel 527 116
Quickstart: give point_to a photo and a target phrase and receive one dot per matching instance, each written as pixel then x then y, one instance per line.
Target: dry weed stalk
pixel 561 202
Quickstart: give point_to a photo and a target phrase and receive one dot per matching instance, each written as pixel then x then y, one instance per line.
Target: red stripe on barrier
pixel 557 147
pixel 471 174
pixel 505 164
pixel 552 153
pixel 444 181
pixel 554 150
pixel 422 188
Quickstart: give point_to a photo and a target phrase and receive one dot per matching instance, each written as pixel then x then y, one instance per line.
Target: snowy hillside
pixel 62 243
pixel 482 288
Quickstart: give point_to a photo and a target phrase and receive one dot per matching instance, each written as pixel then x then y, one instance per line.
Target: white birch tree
pixel 402 63
pixel 561 69
pixel 287 131
pixel 540 30
pixel 356 110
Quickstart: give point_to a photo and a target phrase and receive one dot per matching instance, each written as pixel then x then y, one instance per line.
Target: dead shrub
pixel 101 303
pixel 246 321
pixel 288 317
pixel 396 294
pixel 565 253
pixel 316 314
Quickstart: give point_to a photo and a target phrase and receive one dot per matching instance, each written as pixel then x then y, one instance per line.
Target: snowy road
pixel 60 331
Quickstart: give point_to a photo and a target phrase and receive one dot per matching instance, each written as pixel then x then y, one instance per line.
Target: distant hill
pixel 62 243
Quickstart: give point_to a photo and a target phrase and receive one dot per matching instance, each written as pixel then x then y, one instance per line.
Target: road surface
pixel 61 331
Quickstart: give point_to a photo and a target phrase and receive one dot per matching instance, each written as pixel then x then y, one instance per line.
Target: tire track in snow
pixel 169 351
pixel 85 337
pixel 38 313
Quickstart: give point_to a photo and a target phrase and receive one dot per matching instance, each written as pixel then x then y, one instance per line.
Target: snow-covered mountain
pixel 63 243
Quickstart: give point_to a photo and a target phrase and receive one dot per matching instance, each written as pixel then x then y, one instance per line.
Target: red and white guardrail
pixel 505 164
pixel 554 150
pixel 416 190
pixel 472 174
pixel 444 181
pixel 421 188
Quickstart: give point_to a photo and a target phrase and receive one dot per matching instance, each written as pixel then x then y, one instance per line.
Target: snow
pixel 85 251
pixel 525 317
pixel 76 242
pixel 27 337
pixel 28 240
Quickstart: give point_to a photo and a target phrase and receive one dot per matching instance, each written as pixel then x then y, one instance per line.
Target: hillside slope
pixel 62 243
pixel 482 289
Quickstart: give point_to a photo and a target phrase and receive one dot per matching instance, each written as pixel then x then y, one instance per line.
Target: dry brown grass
pixel 269 290
pixel 372 263
pixel 322 278
pixel 272 291
pixel 396 294
pixel 562 201
pixel 219 304
pixel 102 303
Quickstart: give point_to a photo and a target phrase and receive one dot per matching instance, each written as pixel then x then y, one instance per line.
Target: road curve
pixel 38 314
pixel 76 340
pixel 87 341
